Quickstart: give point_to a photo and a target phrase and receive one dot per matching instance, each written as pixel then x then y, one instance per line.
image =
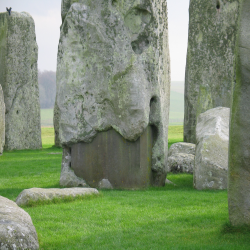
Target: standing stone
pixel 19 80
pixel 2 121
pixel 210 57
pixel 211 154
pixel 113 80
pixel 239 142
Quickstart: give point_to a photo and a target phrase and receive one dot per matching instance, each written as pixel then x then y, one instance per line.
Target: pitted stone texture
pixel 181 147
pixel 181 163
pixel 16 228
pixel 45 194
pixel 181 157
pixel 211 157
pixel 113 71
pixel 210 57
pixel 239 142
pixel 105 184
pixel 68 177
pixel 2 121
pixel 19 80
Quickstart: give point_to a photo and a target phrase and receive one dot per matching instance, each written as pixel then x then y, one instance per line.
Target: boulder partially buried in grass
pixel 36 195
pixel 16 228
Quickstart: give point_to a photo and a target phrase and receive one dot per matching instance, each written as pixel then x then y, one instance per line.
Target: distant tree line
pixel 47 88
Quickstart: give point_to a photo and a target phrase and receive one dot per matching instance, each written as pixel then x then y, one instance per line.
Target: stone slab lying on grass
pixel 16 228
pixel 181 157
pixel 46 194
pixel 181 163
pixel 211 157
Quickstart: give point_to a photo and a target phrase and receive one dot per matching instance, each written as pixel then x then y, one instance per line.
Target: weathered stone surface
pixel 2 121
pixel 68 177
pixel 239 143
pixel 113 73
pixel 211 156
pixel 210 57
pixel 16 228
pixel 181 147
pixel 56 126
pixel 19 80
pixel 181 157
pixel 181 163
pixel 105 184
pixel 45 194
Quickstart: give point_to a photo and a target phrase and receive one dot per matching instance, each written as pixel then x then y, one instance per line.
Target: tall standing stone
pixel 113 80
pixel 239 141
pixel 2 121
pixel 19 80
pixel 210 56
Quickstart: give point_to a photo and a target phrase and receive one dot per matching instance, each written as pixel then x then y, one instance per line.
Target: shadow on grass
pixel 228 228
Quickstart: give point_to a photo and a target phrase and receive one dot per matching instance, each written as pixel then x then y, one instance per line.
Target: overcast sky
pixel 47 16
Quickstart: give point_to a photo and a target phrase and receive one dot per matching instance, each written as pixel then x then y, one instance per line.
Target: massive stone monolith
pixel 2 121
pixel 113 80
pixel 239 142
pixel 19 80
pixel 210 56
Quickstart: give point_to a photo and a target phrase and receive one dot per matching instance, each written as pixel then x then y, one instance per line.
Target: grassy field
pixel 171 217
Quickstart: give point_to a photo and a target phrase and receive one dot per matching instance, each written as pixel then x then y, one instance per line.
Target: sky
pixel 47 17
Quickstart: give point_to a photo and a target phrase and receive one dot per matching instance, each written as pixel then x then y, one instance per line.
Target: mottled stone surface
pixel 2 121
pixel 19 80
pixel 105 184
pixel 16 228
pixel 45 194
pixel 239 143
pixel 211 156
pixel 210 57
pixel 113 73
pixel 182 147
pixel 181 157
pixel 68 177
pixel 181 163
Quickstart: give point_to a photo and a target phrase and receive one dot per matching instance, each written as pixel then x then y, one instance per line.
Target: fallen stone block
pixel 48 194
pixel 16 228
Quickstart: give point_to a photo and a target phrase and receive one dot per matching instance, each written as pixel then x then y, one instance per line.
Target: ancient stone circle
pixel 112 102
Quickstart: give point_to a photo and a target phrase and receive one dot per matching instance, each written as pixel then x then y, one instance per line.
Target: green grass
pixel 171 217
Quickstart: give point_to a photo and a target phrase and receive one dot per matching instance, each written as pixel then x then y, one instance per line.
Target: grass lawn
pixel 171 217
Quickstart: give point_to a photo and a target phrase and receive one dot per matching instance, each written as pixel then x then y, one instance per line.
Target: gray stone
pixel 181 163
pixel 2 121
pixel 19 80
pixel 211 157
pixel 113 73
pixel 68 177
pixel 48 194
pixel 105 184
pixel 56 126
pixel 210 59
pixel 239 143
pixel 181 147
pixel 16 228
pixel 181 157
